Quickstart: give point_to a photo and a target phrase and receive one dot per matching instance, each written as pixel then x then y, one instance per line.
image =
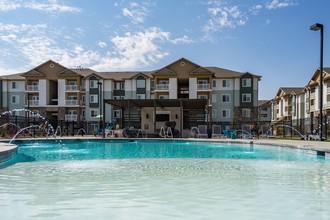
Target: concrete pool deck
pixel 7 151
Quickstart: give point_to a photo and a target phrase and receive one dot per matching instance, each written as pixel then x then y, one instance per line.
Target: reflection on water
pixel 166 188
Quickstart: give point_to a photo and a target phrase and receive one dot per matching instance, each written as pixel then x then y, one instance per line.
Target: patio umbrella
pixel 98 116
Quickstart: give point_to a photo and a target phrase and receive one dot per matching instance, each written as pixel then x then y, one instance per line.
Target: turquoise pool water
pixel 163 180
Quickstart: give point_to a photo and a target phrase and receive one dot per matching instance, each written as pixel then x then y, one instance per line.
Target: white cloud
pixel 184 40
pixel 48 6
pixel 136 12
pixel 9 5
pixel 275 4
pixel 133 51
pixel 222 16
pixel 255 9
pixel 102 44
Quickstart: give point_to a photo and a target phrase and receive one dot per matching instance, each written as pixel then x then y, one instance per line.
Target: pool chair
pixel 216 131
pixel 202 131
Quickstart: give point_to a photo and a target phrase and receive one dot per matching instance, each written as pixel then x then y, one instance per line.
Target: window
pixel 214 83
pixel 163 97
pixel 118 97
pixel 152 84
pixel 93 98
pixel 94 112
pixel 202 97
pixel 14 85
pixel 163 116
pixel 141 96
pixel 246 97
pixel 119 86
pixel 83 113
pixel 204 81
pixel 14 99
pixel 117 113
pixel 226 83
pixel 246 113
pixel 72 112
pixel 225 113
pixel 141 83
pixel 226 98
pixel 83 99
pixel 93 84
pixel 246 82
pixel 163 82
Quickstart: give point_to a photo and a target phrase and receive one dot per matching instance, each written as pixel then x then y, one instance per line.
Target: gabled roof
pixel 288 90
pixel 17 76
pixel 117 76
pixel 315 78
pixel 202 70
pixel 34 72
pixel 224 73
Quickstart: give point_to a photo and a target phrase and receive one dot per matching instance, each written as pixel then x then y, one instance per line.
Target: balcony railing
pixel 71 117
pixel 328 90
pixel 71 87
pixel 312 96
pixel 162 86
pixel 312 108
pixel 71 102
pixel 32 88
pixel 328 105
pixel 203 86
pixel 33 102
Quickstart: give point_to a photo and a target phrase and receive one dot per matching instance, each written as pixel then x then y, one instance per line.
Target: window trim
pixel 227 112
pixel 96 98
pixel 224 95
pixel 246 95
pixel 248 82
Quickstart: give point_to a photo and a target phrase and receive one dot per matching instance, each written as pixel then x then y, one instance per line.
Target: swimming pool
pixel 134 179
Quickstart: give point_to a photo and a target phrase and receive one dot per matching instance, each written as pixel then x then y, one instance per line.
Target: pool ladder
pixel 166 133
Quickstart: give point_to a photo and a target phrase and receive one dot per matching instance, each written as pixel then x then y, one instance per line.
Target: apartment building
pixel 182 91
pixel 299 107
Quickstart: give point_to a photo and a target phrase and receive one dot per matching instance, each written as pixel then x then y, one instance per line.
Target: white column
pixel 173 88
pixel 43 92
pixel 61 92
pixel 192 88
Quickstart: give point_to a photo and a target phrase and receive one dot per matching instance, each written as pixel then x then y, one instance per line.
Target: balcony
pixel 71 117
pixel 328 90
pixel 203 86
pixel 163 87
pixel 32 88
pixel 312 96
pixel 328 105
pixel 312 109
pixel 33 103
pixel 71 88
pixel 71 102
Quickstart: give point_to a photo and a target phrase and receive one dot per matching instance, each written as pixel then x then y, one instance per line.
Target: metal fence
pixel 39 127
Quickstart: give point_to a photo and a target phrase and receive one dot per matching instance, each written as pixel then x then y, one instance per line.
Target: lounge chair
pixel 202 131
pixel 216 131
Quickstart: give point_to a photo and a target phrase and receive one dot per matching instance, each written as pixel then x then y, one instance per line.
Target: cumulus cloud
pixel 134 50
pixel 48 6
pixel 275 4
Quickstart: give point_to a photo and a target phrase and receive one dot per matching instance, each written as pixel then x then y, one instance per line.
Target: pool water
pixel 164 180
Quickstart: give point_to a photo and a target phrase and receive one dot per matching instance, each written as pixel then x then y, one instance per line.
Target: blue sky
pixel 270 38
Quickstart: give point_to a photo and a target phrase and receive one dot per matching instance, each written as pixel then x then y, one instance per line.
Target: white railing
pixel 203 86
pixel 328 90
pixel 71 102
pixel 71 87
pixel 162 86
pixel 32 87
pixel 312 96
pixel 71 117
pixel 312 108
pixel 328 105
pixel 33 102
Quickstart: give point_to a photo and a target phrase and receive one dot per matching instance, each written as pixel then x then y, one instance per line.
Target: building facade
pixel 299 107
pixel 59 93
